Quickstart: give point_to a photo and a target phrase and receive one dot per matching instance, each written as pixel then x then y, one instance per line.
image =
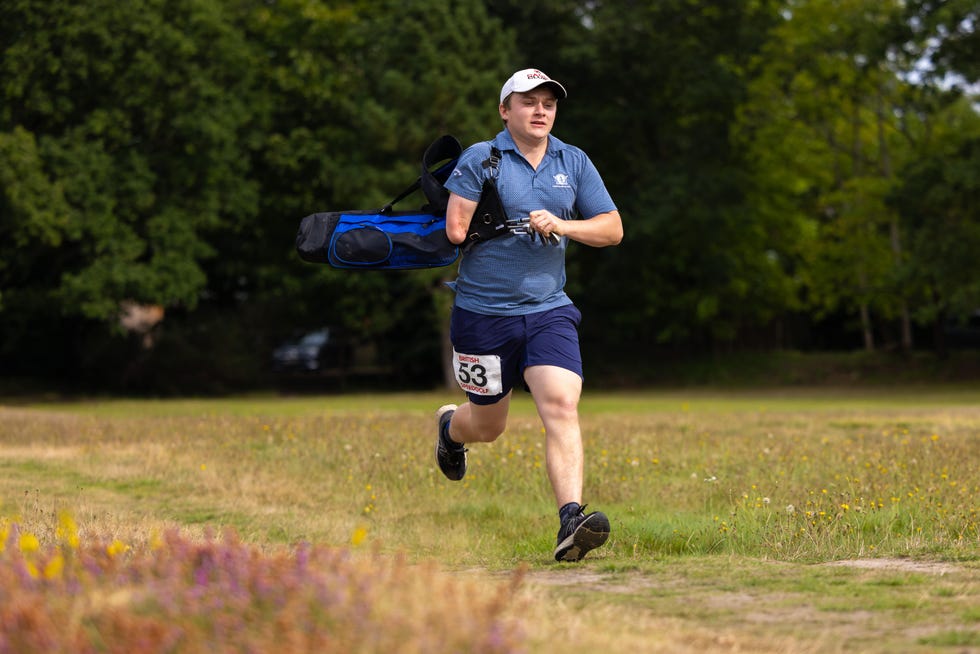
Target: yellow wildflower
pixel 54 567
pixel 116 547
pixel 29 543
pixel 67 531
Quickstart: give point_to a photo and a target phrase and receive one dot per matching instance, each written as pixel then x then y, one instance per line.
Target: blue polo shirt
pixel 512 275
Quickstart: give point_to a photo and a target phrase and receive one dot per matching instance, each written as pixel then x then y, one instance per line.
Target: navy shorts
pixel 548 338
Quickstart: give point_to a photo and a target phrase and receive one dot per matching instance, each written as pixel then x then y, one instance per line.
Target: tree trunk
pixel 939 333
pixel 885 161
pixel 869 337
pixel 865 309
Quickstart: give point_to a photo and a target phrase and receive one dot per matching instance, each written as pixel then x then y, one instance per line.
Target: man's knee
pixel 489 429
pixel 488 422
pixel 556 391
pixel 565 404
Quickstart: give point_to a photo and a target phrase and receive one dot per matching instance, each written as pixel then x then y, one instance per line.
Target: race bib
pixel 478 373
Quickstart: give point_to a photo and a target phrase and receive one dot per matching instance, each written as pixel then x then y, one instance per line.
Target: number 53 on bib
pixel 478 373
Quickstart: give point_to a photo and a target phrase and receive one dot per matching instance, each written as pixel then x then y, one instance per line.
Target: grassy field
pixel 825 520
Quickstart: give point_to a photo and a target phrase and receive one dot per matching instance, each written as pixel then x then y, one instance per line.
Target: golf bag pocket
pixel 313 237
pixel 376 240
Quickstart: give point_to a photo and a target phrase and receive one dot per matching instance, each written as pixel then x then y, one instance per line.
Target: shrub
pixel 221 595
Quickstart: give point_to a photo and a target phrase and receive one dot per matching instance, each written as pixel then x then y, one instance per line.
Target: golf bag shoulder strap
pixel 493 161
pixel 489 218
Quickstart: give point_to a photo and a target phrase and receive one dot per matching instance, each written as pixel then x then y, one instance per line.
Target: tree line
pixel 792 173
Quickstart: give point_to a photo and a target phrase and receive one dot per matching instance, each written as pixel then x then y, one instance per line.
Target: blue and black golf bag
pixel 385 239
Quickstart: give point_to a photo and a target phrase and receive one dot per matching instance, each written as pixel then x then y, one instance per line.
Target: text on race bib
pixel 478 373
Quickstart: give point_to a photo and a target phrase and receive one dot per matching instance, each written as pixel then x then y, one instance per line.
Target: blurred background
pixel 798 180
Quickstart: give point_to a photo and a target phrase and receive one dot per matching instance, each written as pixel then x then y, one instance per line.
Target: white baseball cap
pixel 530 78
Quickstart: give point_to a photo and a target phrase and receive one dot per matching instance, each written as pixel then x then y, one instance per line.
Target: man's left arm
pixel 599 231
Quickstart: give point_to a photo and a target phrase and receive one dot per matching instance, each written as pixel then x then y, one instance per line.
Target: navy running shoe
pixel 450 455
pixel 580 533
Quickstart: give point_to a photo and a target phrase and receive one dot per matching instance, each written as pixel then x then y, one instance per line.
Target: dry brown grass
pixel 704 556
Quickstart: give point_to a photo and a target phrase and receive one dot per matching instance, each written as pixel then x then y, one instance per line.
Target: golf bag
pixel 384 239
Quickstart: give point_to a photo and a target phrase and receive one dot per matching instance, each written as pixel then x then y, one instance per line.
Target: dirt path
pixel 859 605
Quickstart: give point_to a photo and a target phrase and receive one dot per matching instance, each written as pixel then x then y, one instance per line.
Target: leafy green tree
pixel 943 40
pixel 36 216
pixel 655 90
pixel 163 152
pixel 359 90
pixel 824 125
pixel 137 116
pixel 938 202
pixel 771 158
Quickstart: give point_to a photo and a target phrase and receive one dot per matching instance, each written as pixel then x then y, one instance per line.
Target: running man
pixel 512 322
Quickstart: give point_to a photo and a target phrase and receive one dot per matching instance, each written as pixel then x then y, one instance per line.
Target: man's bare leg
pixel 556 394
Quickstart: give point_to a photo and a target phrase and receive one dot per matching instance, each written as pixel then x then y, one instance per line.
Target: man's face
pixel 530 115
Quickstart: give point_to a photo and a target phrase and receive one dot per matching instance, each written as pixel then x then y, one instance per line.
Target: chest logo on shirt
pixel 561 181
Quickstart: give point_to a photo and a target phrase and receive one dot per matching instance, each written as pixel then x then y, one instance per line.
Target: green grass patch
pixel 775 519
pixel 953 639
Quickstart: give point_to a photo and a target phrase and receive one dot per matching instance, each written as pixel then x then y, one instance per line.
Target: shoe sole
pixel 592 533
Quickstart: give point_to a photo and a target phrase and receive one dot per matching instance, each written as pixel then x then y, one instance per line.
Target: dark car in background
pixel 322 350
